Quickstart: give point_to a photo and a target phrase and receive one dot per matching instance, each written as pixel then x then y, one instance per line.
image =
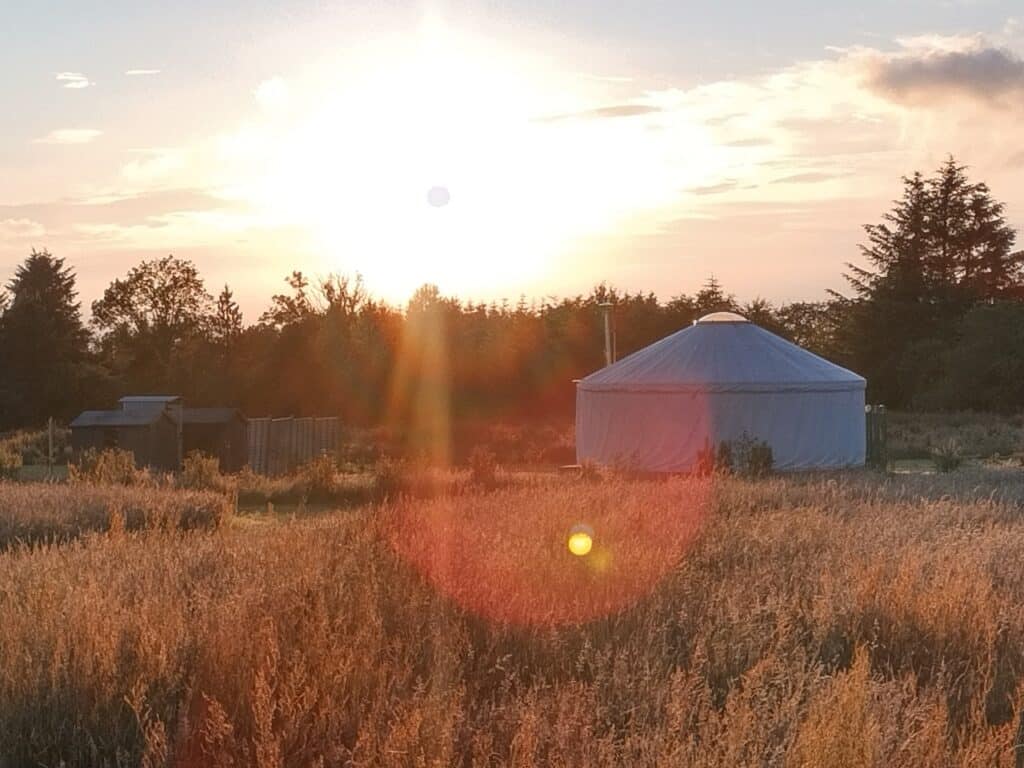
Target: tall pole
pixel 607 308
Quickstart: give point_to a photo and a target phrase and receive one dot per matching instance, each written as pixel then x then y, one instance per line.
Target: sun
pixel 436 160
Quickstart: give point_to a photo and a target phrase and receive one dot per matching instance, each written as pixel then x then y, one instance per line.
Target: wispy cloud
pixel 811 177
pixel 716 189
pixel 752 142
pixel 74 80
pixel 618 110
pixel 153 164
pixel 69 136
pixel 20 229
pixel 607 78
pixel 138 72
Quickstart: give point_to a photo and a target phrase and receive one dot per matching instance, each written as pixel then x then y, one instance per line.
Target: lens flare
pixel 581 540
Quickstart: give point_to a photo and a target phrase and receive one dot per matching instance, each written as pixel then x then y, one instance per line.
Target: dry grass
pixel 808 621
pixel 43 512
pixel 977 435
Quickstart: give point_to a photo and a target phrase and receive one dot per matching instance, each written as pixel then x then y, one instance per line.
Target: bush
pixel 33 446
pixel 752 457
pixel 318 477
pixel 111 466
pixel 201 472
pixel 723 458
pixel 483 467
pixel 948 456
pixel 705 460
pixel 745 456
pixel 10 462
pixel 591 472
pixel 391 478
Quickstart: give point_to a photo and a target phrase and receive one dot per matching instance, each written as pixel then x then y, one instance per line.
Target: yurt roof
pixel 722 352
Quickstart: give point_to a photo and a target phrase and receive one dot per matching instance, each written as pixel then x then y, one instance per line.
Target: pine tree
pixel 711 298
pixel 943 248
pixel 43 344
pixel 226 321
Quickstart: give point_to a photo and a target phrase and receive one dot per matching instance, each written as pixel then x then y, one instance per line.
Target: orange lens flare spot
pixel 580 543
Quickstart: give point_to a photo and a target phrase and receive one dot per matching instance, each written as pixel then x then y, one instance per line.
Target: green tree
pixel 983 367
pixel 711 298
pixel 225 325
pixel 149 322
pixel 943 248
pixel 43 344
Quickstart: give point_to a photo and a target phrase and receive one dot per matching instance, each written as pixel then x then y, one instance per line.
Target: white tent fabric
pixel 714 381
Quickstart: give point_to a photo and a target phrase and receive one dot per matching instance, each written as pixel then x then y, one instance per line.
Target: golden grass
pixel 36 512
pixel 808 621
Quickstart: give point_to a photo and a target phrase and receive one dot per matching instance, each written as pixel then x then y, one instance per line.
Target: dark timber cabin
pixel 151 435
pixel 219 432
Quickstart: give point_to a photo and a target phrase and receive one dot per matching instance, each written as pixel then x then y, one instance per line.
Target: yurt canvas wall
pixel 715 381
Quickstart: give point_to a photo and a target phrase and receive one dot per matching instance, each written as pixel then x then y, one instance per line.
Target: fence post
pixel 49 447
pixel 877 436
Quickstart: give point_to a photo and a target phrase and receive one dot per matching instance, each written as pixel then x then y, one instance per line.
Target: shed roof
pixel 210 415
pixel 116 419
pixel 150 399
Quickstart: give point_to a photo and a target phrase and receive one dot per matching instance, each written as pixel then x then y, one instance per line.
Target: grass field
pixel 839 620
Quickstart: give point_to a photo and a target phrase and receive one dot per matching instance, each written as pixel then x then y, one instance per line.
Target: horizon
pixel 572 146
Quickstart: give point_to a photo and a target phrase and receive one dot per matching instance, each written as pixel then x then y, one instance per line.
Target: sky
pixel 495 149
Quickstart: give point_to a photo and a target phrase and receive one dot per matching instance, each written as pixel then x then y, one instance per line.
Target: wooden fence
pixel 877 436
pixel 279 446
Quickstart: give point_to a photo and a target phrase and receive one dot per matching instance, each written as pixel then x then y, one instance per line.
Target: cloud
pixel 981 71
pixel 69 136
pixel 811 177
pixel 153 164
pixel 716 189
pixel 607 78
pixel 272 94
pixel 618 110
pixel 20 229
pixel 74 80
pixel 753 142
pixel 719 120
pixel 138 72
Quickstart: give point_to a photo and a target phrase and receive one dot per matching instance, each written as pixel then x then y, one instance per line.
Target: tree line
pixel 935 320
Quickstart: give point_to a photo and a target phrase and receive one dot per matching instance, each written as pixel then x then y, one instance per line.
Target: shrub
pixel 752 457
pixel 34 445
pixel 590 472
pixel 391 478
pixel 10 462
pixel 201 472
pixel 111 466
pixel 745 456
pixel 724 458
pixel 948 456
pixel 318 477
pixel 705 460
pixel 483 467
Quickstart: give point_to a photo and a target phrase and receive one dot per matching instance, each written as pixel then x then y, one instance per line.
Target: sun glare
pixel 450 162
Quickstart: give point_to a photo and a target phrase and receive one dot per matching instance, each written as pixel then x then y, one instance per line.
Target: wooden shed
pixel 151 436
pixel 219 432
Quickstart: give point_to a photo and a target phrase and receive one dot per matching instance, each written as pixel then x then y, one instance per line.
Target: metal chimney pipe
pixel 606 307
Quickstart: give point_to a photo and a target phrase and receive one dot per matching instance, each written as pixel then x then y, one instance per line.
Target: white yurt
pixel 717 380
